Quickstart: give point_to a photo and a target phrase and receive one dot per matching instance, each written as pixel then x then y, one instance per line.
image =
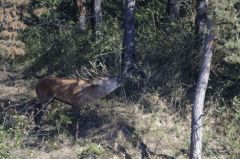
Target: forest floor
pixel 110 128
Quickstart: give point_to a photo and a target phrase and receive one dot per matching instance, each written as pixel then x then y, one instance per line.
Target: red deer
pixel 75 92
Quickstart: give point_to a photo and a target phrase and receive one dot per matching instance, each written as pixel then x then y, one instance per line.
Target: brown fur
pixel 75 92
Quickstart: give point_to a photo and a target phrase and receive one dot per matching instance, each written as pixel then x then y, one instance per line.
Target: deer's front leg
pixel 76 117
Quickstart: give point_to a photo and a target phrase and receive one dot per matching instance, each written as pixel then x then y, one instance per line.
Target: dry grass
pixel 8 35
pixel 40 11
pixel 13 87
pixel 11 24
pixel 65 152
pixel 11 49
pixel 16 2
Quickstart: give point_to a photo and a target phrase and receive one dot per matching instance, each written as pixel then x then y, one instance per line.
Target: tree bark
pixel 201 20
pixel 206 43
pixel 173 11
pixel 82 14
pixel 197 110
pixel 128 55
pixel 97 19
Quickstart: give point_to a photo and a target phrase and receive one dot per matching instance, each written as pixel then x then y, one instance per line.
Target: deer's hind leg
pixel 40 107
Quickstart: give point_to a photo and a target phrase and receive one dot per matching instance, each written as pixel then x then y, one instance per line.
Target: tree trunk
pixel 97 19
pixel 201 20
pixel 173 9
pixel 82 14
pixel 206 44
pixel 197 110
pixel 128 55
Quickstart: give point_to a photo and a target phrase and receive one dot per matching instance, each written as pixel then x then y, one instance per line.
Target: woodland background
pixel 41 38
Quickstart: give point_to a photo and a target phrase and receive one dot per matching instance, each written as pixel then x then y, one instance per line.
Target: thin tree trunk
pixel 173 9
pixel 197 110
pixel 128 55
pixel 201 20
pixel 97 19
pixel 206 43
pixel 82 14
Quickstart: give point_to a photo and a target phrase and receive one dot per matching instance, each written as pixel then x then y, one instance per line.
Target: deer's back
pixel 63 89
